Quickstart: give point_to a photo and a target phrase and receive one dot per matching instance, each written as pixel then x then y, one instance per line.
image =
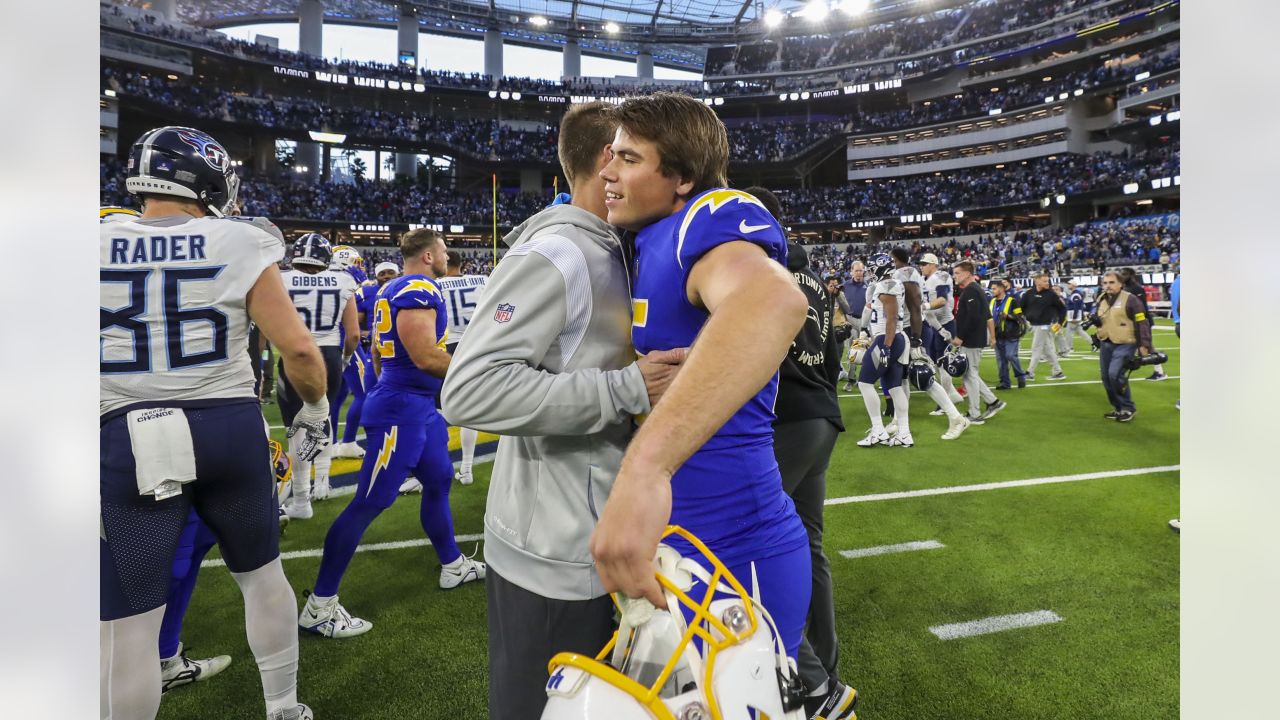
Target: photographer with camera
pixel 1122 331
pixel 1010 327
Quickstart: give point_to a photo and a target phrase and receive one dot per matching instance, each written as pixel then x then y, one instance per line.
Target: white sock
pixel 271 623
pixel 1160 369
pixel 949 385
pixel 323 462
pixel 872 400
pixel 939 395
pixel 457 563
pixel 129 666
pixel 301 482
pixel 468 438
pixel 900 407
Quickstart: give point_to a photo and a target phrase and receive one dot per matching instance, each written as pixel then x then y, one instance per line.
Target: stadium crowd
pixel 943 28
pixel 965 189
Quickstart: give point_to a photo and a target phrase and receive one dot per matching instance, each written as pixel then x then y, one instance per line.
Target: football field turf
pixel 1088 548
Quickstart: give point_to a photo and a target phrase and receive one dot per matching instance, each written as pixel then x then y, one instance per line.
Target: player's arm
pixel 269 306
pixel 498 383
pixel 350 330
pixel 417 330
pixel 914 302
pixel 756 310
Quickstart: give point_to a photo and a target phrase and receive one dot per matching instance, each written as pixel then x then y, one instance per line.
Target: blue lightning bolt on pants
pixel 393 452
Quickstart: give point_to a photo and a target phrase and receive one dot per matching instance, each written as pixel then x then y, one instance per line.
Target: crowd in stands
pixel 940 29
pixel 1093 246
pixel 980 187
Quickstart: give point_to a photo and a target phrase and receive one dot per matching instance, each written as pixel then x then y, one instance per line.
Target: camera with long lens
pixel 1136 361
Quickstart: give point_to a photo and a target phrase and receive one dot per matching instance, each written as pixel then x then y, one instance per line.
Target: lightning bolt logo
pixel 713 201
pixel 384 456
pixel 424 285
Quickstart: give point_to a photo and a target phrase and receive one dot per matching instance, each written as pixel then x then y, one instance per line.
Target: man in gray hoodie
pixel 547 363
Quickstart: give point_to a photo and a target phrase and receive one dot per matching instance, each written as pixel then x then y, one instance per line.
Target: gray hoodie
pixel 547 364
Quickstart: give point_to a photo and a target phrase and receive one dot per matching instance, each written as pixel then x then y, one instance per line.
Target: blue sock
pixel 341 541
pixel 195 542
pixel 334 408
pixel 437 516
pixel 353 417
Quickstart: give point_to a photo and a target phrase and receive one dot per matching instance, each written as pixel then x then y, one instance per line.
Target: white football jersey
pixel 908 274
pixel 174 321
pixel 886 287
pixel 938 285
pixel 319 299
pixel 461 294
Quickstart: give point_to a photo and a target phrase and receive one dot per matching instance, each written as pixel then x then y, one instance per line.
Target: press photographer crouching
pixel 1123 330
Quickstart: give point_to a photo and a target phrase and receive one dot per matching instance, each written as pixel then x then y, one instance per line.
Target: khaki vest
pixel 1116 327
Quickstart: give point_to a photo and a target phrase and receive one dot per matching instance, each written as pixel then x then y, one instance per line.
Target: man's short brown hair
pixel 964 265
pixel 584 131
pixel 692 142
pixel 416 242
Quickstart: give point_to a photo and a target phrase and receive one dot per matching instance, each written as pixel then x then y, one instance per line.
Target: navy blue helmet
pixel 880 266
pixel 186 163
pixel 311 249
pixel 954 362
pixel 920 373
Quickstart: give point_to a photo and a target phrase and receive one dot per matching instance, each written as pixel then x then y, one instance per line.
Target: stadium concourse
pixel 1023 567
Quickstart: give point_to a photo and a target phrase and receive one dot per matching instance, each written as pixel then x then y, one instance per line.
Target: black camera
pixel 1090 321
pixel 843 332
pixel 1136 361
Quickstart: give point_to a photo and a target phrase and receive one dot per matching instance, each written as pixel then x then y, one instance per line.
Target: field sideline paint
pixel 887 549
pixel 998 623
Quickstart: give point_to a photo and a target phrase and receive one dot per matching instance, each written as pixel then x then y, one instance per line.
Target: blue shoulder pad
pixel 720 216
pixel 417 293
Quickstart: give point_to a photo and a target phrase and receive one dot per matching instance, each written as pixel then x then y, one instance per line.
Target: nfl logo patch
pixel 504 312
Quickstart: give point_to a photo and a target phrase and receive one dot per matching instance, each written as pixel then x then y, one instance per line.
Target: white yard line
pixel 998 623
pixel 318 552
pixel 887 549
pixel 1001 485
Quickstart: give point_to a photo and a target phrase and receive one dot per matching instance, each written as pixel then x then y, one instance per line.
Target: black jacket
pixel 807 379
pixel 972 313
pixel 1043 307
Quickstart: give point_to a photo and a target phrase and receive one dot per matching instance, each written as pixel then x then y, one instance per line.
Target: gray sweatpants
pixel 803 449
pixel 974 387
pixel 1042 349
pixel 525 631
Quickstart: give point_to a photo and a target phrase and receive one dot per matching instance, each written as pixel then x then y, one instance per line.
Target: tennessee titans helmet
pixel 183 162
pixel 954 363
pixel 920 373
pixel 311 249
pixel 880 266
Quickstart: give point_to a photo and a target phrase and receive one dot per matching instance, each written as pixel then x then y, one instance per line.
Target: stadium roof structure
pixel 675 32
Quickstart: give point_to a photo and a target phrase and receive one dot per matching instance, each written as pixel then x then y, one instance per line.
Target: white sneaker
pixel 284 519
pixel 873 439
pixel 330 619
pixel 466 478
pixel 298 509
pixel 302 712
pixel 181 670
pixel 467 571
pixel 958 425
pixel 938 411
pixel 902 440
pixel 410 485
pixel 348 450
pixel 891 428
pixel 320 490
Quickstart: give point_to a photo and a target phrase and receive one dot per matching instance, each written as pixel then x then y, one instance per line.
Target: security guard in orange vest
pixel 1123 329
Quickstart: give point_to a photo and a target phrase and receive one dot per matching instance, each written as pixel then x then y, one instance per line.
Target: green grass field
pixel 1097 552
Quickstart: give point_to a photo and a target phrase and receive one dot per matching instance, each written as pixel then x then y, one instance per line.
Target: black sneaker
pixel 976 420
pixel 1112 415
pixel 994 408
pixel 838 704
pixel 1004 386
pixel 1125 415
pixel 1022 382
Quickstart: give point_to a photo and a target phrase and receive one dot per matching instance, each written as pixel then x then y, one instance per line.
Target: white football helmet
pixel 727 663
pixel 345 256
pixel 858 348
pixel 112 213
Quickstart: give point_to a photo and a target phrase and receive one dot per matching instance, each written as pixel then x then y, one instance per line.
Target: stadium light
pixel 538 20
pixel 804 95
pixel 1141 76
pixel 327 137
pixel 1155 120
pixel 719 101
pixel 504 95
pixel 854 7
pixel 1048 99
pixel 1062 96
pixel 773 18
pixel 959 214
pixel 1061 199
pixel 815 10
pixel 1177 180
pixel 794 96
pixel 493 94
pixel 1175 115
pixel 1131 188
pixel 611 28
pixel 1078 92
pixel 782 97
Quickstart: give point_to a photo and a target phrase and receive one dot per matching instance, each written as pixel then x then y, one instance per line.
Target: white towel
pixel 162 450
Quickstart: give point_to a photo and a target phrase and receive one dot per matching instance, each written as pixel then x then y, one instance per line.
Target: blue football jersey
pixel 366 295
pixel 408 292
pixel 729 492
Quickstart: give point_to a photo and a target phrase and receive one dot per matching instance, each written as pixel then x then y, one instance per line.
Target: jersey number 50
pixel 173 316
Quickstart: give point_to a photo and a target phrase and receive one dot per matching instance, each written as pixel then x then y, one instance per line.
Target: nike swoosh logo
pixel 746 229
